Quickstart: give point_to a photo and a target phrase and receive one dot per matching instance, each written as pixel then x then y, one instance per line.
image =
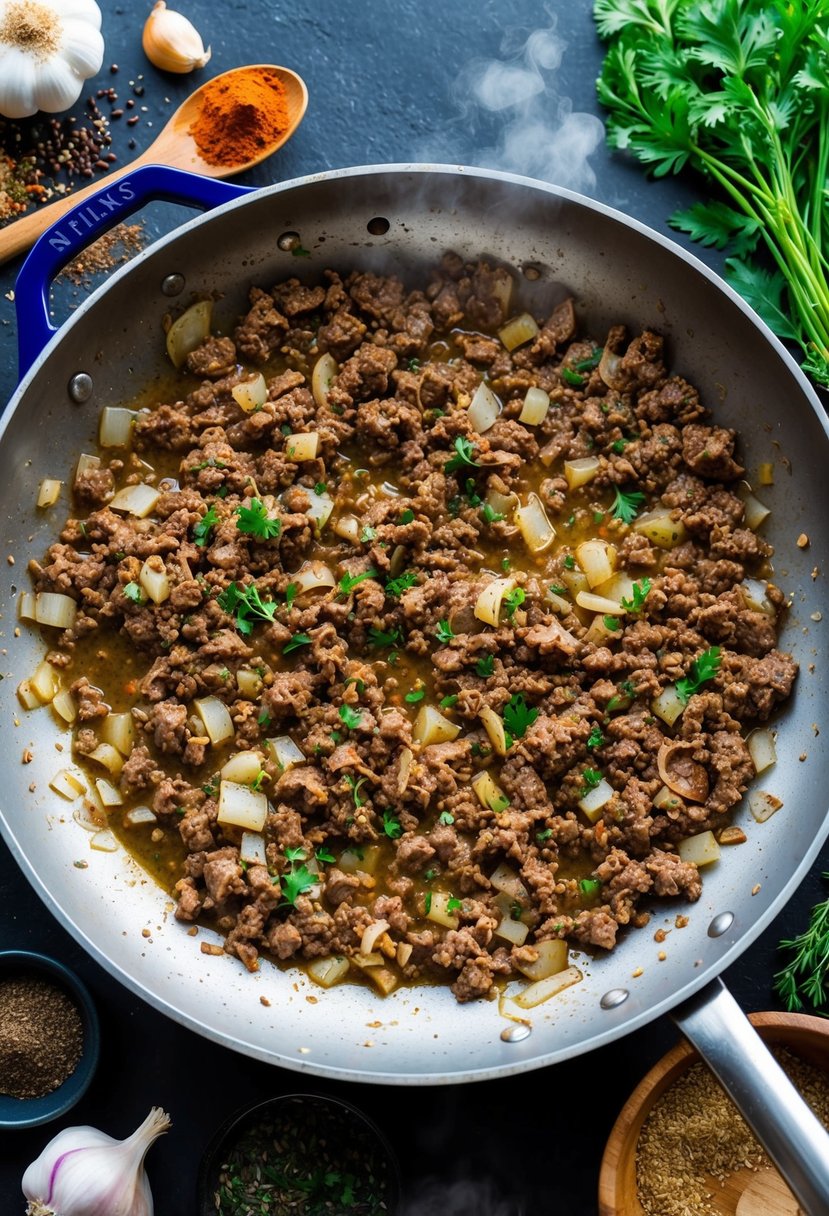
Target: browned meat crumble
pixel 392 828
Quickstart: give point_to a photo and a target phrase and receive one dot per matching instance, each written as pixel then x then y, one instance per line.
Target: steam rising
pixel 536 131
pixel 461 1198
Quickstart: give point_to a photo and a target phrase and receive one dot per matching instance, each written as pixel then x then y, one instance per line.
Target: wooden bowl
pixel 806 1037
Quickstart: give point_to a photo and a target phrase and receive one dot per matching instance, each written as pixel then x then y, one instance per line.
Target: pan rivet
pixel 173 284
pixel 80 387
pixel 614 998
pixel 721 924
pixel 516 1033
pixel 289 241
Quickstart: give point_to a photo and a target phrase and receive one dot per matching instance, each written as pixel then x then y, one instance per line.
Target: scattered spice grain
pixel 695 1136
pixel 113 248
pixel 41 1037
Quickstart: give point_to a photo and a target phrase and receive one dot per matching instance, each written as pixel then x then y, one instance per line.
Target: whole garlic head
pixel 48 48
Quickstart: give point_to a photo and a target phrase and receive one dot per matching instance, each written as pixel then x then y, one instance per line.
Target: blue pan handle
pixel 84 224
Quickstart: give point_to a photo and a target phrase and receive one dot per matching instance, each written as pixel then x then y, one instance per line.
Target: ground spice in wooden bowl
pixel 681 1148
pixel 300 1155
pixel 41 1036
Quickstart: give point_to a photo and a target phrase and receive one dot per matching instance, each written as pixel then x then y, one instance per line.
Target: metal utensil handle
pixel 790 1133
pixel 84 224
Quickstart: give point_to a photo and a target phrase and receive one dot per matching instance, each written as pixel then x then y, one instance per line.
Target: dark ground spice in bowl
pixel 300 1155
pixel 41 1036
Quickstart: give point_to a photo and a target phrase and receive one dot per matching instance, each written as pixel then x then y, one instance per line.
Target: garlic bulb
pixel 171 42
pixel 84 1172
pixel 48 48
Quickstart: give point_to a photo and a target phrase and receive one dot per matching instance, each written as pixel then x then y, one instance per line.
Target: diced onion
pixel 665 799
pixel 90 815
pixel 599 634
pixel 251 393
pixel 699 850
pixel 755 512
pixel 597 559
pixel 489 792
pixel 115 427
pixel 249 683
pixel 484 408
pixel 328 971
pixel 552 958
pixel 502 503
pixel 609 369
pixel 404 953
pixel 322 377
pixel 303 446
pixel 284 752
pixel 500 287
pixel 137 500
pixel 139 816
pixel 108 757
pixel 535 407
pixel 27 606
pixel 579 472
pixel 107 792
pixel 618 588
pixel 557 602
pixel 321 507
pixel 668 705
pixel 241 806
pixel 189 331
pixel 660 528
pixel 252 849
pixel 755 596
pixel 384 979
pixel 27 697
pixel 430 726
pixel 494 727
pixel 154 579
pixel 64 706
pixel 518 331
pixel 313 575
pixel 535 527
pixel 542 990
pixel 513 931
pixel 504 878
pixel 371 933
pixel 55 609
pixel 67 784
pixel 438 911
pixel 44 682
pixel 763 805
pixel 119 730
pixel 218 723
pixel 761 748
pixel 348 527
pixel 598 603
pixel 49 492
pixel 575 581
pixel 488 603
pixel 104 842
pixel 242 768
pixel 596 799
pixel 86 461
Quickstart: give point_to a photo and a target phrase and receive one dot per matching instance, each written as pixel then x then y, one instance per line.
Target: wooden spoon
pixel 767 1195
pixel 173 146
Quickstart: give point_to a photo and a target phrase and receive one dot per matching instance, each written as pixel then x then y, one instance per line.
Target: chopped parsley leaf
pixel 595 738
pixel 349 581
pixel 500 804
pixel 295 641
pixel 407 517
pixel 626 506
pixel 444 632
pixel 518 716
pixel 354 785
pixel 296 882
pixel 427 902
pixel 391 824
pixel 246 605
pixel 448 702
pixel 618 446
pixel 587 365
pixel 590 887
pixel 703 668
pixel 377 637
pixel 324 855
pixel 472 495
pixel 485 666
pixel 452 904
pixel 612 622
pixel 368 534
pixel 464 449
pixel 396 586
pixel 417 694
pixel 641 591
pixel 290 594
pixel 591 777
pixel 350 717
pixel 295 853
pixel 491 516
pixel 134 593
pixel 264 718
pixel 254 521
pixel 571 377
pixel 569 562
pixel 320 488
pixel 446 818
pixel 512 600
pixel 204 526
pixel 543 835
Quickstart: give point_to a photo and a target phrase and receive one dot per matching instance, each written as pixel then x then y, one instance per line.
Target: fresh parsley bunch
pixel 738 90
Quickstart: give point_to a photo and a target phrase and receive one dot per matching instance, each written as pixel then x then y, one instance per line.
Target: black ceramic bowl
pixel 328 1147
pixel 29 1112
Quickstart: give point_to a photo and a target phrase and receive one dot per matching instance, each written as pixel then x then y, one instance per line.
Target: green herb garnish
pixel 354 785
pixel 295 641
pixel 490 515
pixel 417 694
pixel 513 600
pixel 446 818
pixel 134 593
pixel 377 637
pixel 204 526
pixel 485 666
pixel 396 586
pixel 590 887
pixel 448 702
pixel 407 516
pixel 571 377
pixel 641 591
pixel 591 777
pixel 392 825
pixel 368 534
pixel 626 506
pixel 595 738
pixel 518 716
pixel 444 632
pixel 464 449
pixel 254 521
pixel 247 605
pixel 806 973
pixel 349 581
pixel 350 717
pixel 703 668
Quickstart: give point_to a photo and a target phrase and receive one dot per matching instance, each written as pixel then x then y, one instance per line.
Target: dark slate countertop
pixel 392 81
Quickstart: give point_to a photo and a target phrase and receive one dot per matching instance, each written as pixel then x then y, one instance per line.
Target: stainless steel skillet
pixel 397 219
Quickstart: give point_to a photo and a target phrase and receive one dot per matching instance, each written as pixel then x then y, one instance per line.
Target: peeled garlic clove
pixel 171 42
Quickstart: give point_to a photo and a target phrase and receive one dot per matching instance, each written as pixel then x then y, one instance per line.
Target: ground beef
pixel 317 623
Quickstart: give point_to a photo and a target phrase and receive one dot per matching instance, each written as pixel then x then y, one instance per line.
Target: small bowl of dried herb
pixel 300 1155
pixel 49 1039
pixel 680 1145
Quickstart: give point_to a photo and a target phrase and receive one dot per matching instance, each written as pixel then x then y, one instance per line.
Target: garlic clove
pixel 57 86
pixel 82 50
pixel 18 83
pixel 171 42
pixel 78 10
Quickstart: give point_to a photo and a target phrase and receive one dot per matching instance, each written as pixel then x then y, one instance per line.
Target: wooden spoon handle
pixel 21 234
